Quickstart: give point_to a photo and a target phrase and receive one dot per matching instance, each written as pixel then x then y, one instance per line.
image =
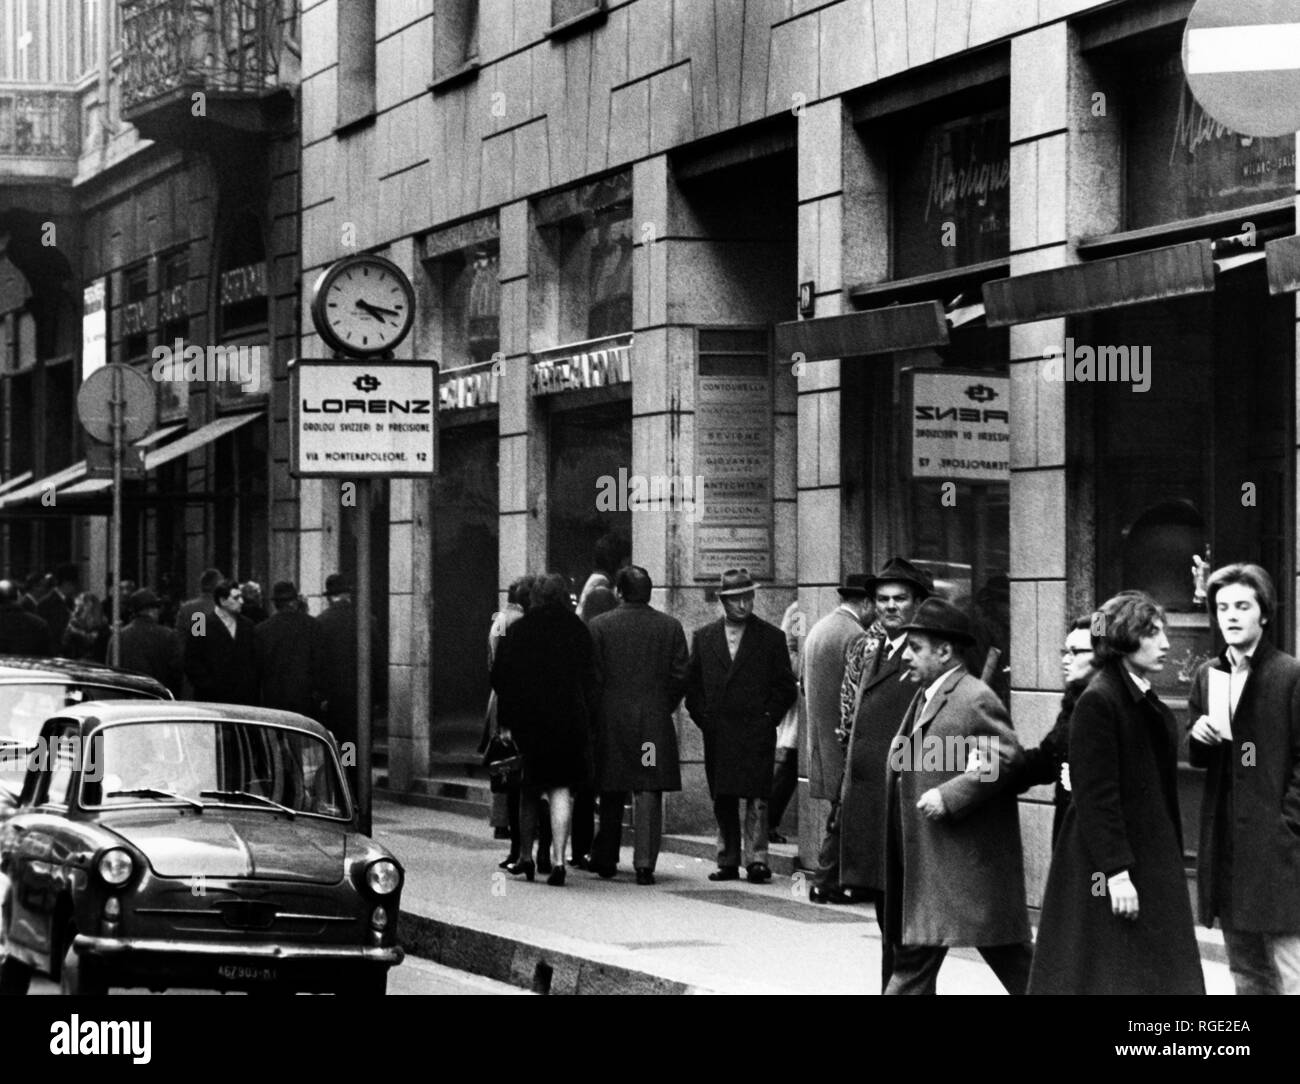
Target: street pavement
pixel 683 935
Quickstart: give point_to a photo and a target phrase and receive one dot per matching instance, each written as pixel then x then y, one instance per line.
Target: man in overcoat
pixel 55 609
pixel 289 654
pixel 821 673
pixel 876 695
pixel 219 657
pixel 739 687
pixel 21 633
pixel 1248 865
pixel 954 873
pixel 641 666
pixel 148 647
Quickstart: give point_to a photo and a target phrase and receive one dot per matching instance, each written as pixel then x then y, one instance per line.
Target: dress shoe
pixel 776 837
pixel 819 894
pixel 557 876
pixel 528 869
pixel 645 877
pixel 847 896
pixel 511 859
pixel 758 873
pixel 581 863
pixel 605 872
pixel 725 873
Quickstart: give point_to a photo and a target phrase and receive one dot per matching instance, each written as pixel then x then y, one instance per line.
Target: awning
pixel 873 331
pixel 17 480
pixel 1153 275
pixel 71 483
pixel 1283 265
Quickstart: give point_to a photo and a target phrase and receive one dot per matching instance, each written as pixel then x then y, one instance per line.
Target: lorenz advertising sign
pixel 363 419
pixel 959 425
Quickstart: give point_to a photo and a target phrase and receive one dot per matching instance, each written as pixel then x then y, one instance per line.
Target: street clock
pixel 363 305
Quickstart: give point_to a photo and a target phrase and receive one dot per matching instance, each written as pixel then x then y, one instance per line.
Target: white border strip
pixel 1268 47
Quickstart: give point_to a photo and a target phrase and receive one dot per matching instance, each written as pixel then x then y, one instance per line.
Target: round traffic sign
pixel 1242 59
pixel 137 394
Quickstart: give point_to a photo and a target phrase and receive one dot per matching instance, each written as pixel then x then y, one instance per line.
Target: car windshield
pixel 24 707
pixel 204 763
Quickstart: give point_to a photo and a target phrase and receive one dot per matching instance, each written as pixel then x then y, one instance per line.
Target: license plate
pixel 246 973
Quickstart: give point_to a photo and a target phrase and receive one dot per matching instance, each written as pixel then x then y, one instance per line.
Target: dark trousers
pixel 828 858
pixel 916 967
pixel 737 844
pixel 784 782
pixel 583 832
pixel 647 829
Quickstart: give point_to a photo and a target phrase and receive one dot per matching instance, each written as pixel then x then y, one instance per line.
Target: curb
pixel 512 960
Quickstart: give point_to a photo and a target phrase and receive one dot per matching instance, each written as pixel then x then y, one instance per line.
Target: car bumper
pixel 236 965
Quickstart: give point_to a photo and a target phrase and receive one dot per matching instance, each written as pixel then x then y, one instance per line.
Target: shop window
pixel 173 314
pixel 455 39
pixel 1201 463
pixel 58 415
pixel 951 192
pixel 22 413
pixel 135 315
pixel 470 292
pixel 587 236
pixel 957 530
pixel 465 572
pixel 586 445
pixel 1179 162
pixel 356 69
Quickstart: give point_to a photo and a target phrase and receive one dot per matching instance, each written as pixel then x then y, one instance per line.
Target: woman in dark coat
pixel 1049 763
pixel 1117 918
pixel 545 682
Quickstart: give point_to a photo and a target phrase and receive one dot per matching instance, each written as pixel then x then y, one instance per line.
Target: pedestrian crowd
pixel 917 763
pixel 221 645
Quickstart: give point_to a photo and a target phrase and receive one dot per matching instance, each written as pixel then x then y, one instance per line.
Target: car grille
pixel 248 912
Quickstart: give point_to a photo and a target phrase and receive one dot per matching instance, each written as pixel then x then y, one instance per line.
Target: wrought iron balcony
pixel 236 53
pixel 37 123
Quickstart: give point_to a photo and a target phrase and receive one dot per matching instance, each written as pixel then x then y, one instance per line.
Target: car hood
pixel 253 846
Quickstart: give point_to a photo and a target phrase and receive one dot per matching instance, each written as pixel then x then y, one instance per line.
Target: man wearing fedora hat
pixel 821 674
pixel 874 697
pixel 954 869
pixel 738 689
pixel 147 647
pixel 289 654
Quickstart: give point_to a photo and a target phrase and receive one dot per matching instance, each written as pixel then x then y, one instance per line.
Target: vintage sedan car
pixel 31 690
pixel 179 844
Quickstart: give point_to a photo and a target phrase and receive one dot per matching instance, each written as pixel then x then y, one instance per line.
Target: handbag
pixel 503 762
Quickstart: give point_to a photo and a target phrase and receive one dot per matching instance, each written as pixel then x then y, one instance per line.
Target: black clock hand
pixel 375 309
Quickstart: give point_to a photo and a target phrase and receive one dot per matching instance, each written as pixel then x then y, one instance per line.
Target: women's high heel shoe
pixel 527 867
pixel 556 877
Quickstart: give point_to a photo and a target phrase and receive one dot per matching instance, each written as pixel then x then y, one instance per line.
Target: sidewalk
pixel 683 935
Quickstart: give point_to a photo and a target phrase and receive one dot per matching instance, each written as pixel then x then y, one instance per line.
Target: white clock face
pixel 363 305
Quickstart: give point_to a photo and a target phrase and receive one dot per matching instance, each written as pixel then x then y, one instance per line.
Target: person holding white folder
pixel 1246 734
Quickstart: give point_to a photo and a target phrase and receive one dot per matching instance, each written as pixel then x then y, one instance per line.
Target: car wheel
pixel 15 976
pixel 81 976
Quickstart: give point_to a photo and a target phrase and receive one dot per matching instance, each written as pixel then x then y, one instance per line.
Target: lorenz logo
pixel 367 406
pixel 981 393
pixel 960 414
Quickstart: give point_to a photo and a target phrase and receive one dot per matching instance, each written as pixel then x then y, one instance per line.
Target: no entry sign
pixel 1242 59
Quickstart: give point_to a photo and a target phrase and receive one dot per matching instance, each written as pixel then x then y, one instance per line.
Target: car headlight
pixel 383 877
pixel 115 866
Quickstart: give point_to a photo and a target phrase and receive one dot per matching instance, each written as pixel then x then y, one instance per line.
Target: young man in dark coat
pixel 55 609
pixel 149 648
pixel 1116 916
pixel 641 666
pixel 1248 740
pixel 21 633
pixel 739 688
pixel 288 648
pixel 219 657
pixel 954 872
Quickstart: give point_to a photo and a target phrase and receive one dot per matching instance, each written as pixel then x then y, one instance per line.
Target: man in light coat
pixel 641 668
pixel 821 673
pixel 954 871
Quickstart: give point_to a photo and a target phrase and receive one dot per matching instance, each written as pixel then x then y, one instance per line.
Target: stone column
pixel 1054 118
